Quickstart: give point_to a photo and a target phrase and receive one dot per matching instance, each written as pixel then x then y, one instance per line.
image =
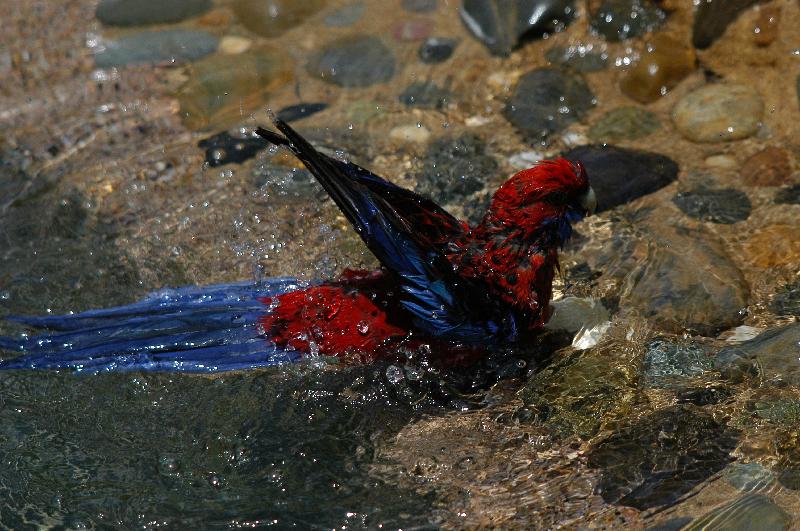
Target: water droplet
pixel 394 374
pixel 362 327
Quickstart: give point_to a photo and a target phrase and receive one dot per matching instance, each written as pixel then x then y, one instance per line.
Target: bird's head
pixel 542 202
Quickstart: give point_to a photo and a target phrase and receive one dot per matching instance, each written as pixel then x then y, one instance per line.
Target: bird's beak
pixel 589 201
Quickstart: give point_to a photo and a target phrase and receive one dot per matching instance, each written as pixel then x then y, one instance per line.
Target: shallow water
pixel 660 416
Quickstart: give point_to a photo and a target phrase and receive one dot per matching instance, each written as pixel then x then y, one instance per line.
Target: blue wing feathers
pixel 192 329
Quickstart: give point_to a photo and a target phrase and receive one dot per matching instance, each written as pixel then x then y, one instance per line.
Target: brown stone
pixel 664 63
pixel 774 246
pixel 765 30
pixel 769 167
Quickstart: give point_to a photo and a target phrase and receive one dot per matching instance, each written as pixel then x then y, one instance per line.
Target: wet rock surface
pixel 664 63
pixel 502 25
pixel 724 205
pixel 773 353
pixel 748 476
pixel 624 123
pixel 271 18
pixel 671 362
pixel 718 113
pixel 773 246
pixel 358 61
pixel 224 148
pixel 620 175
pixel 581 58
pixel 752 511
pixel 173 46
pixel 145 12
pixel 547 100
pixel 661 457
pixel 787 300
pixel 769 167
pixel 711 19
pixel 617 20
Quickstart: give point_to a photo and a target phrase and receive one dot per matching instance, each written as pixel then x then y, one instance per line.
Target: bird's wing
pixel 408 234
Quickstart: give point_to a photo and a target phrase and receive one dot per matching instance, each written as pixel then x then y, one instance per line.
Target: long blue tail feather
pixel 191 329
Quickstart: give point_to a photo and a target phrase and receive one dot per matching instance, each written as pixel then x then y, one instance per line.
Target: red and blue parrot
pixel 441 283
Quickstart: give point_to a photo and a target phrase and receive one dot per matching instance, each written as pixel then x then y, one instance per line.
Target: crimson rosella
pixel 441 282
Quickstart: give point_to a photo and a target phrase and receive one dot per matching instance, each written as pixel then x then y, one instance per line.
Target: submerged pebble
pixel 234 44
pixel 773 353
pixel 547 100
pixel 502 25
pixel 145 12
pixel 624 123
pixel 425 94
pixel 151 47
pixel 221 92
pixel 620 175
pixel 271 18
pixel 617 20
pixel 664 63
pixel 299 111
pixel 410 133
pixel 748 476
pixel 769 167
pixel 773 246
pixel 752 511
pixel 669 362
pixel 766 27
pixel 420 6
pixel 581 58
pixel 711 19
pixel 346 16
pixel 788 196
pixel 724 205
pixel 436 49
pixel 718 113
pixel 223 148
pixel 787 300
pixel 412 30
pixel 354 61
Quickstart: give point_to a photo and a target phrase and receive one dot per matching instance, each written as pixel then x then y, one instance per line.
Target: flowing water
pixel 666 393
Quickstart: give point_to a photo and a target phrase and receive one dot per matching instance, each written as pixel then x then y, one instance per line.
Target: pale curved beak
pixel 589 201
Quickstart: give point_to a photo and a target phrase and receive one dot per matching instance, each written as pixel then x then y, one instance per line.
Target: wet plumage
pixel 441 280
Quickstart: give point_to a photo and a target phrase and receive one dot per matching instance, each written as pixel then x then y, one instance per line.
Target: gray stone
pixel 617 20
pixel 711 19
pixel 787 301
pixel 724 205
pixel 144 12
pixel 436 49
pixel 357 61
pixel 149 47
pixel 579 58
pixel 625 123
pixel 620 175
pixel 420 6
pixel 788 196
pixel 502 25
pixel 547 100
pixel 345 16
pixel 776 352
pixel 752 511
pixel 748 476
pixel 718 113
pixel 425 95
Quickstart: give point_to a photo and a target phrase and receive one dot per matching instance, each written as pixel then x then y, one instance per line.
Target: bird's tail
pixel 190 329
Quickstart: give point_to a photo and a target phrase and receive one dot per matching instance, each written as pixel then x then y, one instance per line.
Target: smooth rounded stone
pixel 412 30
pixel 774 352
pixel 455 168
pixel 769 167
pixel 271 18
pixel 144 12
pixel 547 100
pixel 425 94
pixel 788 196
pixel 617 20
pixel 669 362
pixel 222 92
pixel 410 133
pixel 150 47
pixel 711 19
pixel 624 123
pixel 725 205
pixel 718 113
pixel 224 148
pixel 664 63
pixel 346 16
pixel 420 6
pixel 751 511
pixel 766 28
pixel 773 246
pixel 662 456
pixel 436 49
pixel 234 45
pixel 721 162
pixel 356 61
pixel 787 300
pixel 502 25
pixel 581 58
pixel 620 175
pixel 748 476
pixel 298 111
